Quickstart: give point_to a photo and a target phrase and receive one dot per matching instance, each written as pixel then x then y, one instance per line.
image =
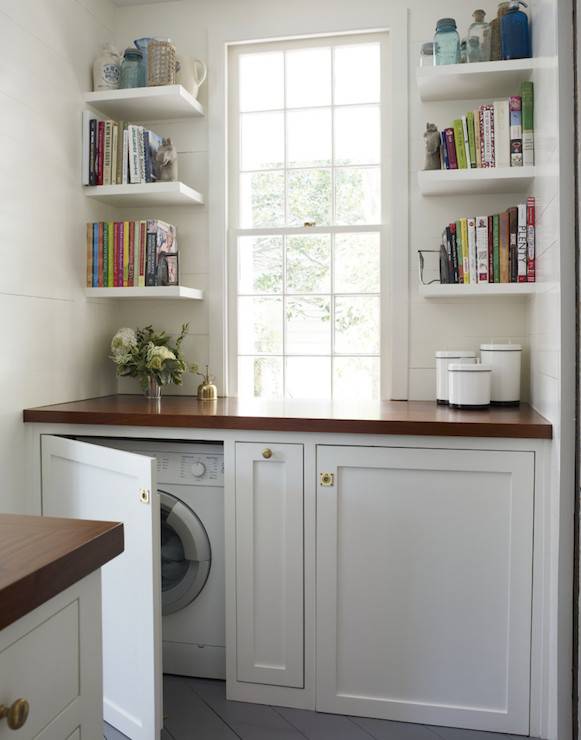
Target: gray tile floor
pixel 197 709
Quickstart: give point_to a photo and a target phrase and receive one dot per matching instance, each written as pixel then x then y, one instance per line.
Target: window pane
pixel 260 377
pixel 357 195
pixel 309 197
pixel 308 377
pixel 357 135
pixel 308 78
pixel 262 81
pixel 308 260
pixel 261 199
pixel 357 325
pixel 357 263
pixel 261 141
pixel 309 137
pixel 357 376
pixel 308 326
pixel 357 70
pixel 260 326
pixel 260 264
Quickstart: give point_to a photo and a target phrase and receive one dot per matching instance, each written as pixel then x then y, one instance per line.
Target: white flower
pixel 156 356
pixel 123 342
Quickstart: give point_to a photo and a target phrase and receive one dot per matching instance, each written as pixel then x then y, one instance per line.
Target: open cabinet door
pixel 88 481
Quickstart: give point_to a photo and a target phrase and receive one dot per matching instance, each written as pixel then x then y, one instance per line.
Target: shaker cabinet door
pixel 424 578
pixel 269 564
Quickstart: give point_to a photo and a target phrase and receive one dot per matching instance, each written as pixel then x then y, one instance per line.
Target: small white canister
pixel 505 360
pixel 469 385
pixel 443 360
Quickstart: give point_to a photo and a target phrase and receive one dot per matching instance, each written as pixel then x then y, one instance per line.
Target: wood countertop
pixel 348 417
pixel 42 556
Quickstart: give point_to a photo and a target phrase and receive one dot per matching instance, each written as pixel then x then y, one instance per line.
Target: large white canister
pixel 505 360
pixel 443 360
pixel 469 385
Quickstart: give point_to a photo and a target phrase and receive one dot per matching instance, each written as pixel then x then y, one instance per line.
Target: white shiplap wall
pixel 54 343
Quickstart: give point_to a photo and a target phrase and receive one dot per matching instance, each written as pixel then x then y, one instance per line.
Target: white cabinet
pixel 269 564
pixel 424 585
pixel 51 658
pixel 88 481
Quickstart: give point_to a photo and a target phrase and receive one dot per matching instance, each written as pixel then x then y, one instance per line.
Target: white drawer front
pixel 42 667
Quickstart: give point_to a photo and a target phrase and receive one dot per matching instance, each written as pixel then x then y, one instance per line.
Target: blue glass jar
pixel 447 42
pixel 132 69
pixel 514 32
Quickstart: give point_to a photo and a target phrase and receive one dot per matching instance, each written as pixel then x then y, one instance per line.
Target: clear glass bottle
pixel 132 69
pixel 447 42
pixel 478 41
pixel 427 54
pixel 495 42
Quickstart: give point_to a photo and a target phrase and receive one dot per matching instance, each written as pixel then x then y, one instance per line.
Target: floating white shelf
pixel 146 103
pixel 169 292
pixel 476 81
pixel 148 194
pixel 482 180
pixel 437 290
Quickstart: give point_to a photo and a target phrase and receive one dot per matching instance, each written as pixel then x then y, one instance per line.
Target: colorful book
pixel 125 254
pixel 114 152
pixel 93 151
pixel 471 138
pixel 131 254
pixel 477 137
pixel 443 152
pixel 119 259
pixel 503 248
pixel 521 244
pixel 111 256
pixel 496 247
pixel 125 158
pixel 487 135
pixel 471 226
pixel 528 125
pixel 482 248
pixel 514 104
pixel 142 252
pixel 465 250
pixel 107 153
pixel 459 143
pixel 151 243
pixel 100 254
pixel 100 150
pixel 501 134
pixel 513 247
pixel 451 149
pixel 466 140
pixel 89 255
pixel 105 265
pixel 95 261
pixel 531 260
pixel 490 249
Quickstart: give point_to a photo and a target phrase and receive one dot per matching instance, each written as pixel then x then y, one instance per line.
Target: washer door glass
pixel 186 556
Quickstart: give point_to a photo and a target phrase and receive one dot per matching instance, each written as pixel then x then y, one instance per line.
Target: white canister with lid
pixel 469 385
pixel 443 360
pixel 505 360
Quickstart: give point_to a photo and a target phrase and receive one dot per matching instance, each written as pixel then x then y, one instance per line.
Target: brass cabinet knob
pixel 267 454
pixel 16 714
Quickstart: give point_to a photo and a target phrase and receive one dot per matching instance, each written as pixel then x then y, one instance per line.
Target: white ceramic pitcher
pixel 191 74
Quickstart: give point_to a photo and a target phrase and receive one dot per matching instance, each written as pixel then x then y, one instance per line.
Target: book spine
pixel 136 240
pixel 120 141
pixel 133 136
pixel 465 250
pixel 471 225
pixel 515 108
pixel 147 155
pixel 521 243
pixel 482 248
pixel 100 151
pixel 451 148
pixel 451 236
pixel 459 143
pixel 466 140
pixel 151 251
pixel 477 137
pixel 89 255
pixel 504 248
pixel 501 134
pixel 100 254
pixel 107 154
pixel 131 256
pixel 119 227
pixel 105 266
pixel 141 153
pixel 531 260
pixel 443 152
pixel 85 133
pixel 125 165
pixel 496 246
pixel 528 126
pixel 95 277
pixel 125 254
pixel 471 138
pixel 513 247
pixel 111 261
pixel 142 252
pixel 114 149
pixel 487 145
pixel 93 151
pixel 457 244
pixel 490 249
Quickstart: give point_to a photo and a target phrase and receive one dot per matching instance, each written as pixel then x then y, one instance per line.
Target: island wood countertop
pixel 347 417
pixel 42 556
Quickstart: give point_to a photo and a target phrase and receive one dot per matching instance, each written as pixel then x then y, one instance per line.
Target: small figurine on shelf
pixel 166 159
pixel 107 69
pixel 207 391
pixel 432 140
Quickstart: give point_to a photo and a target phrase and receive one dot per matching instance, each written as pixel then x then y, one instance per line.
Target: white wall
pixel 433 325
pixel 54 343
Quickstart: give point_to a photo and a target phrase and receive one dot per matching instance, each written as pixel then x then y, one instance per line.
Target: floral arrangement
pixel 150 356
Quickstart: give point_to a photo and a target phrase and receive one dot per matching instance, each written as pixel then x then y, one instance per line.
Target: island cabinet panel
pixel 269 564
pixel 424 585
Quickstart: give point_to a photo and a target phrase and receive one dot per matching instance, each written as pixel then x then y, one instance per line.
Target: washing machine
pixel 190 483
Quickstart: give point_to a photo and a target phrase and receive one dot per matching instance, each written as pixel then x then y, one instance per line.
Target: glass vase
pixel 153 389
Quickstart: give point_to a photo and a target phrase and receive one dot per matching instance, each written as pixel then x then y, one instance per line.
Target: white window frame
pixel 395 193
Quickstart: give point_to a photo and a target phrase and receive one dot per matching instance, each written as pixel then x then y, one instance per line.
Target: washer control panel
pixel 192 468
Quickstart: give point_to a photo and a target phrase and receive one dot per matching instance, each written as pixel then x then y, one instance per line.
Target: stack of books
pixel 118 153
pixel 499 134
pixel 490 249
pixel 127 254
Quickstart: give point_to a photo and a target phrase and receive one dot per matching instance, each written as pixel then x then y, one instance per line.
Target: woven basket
pixel 161 63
